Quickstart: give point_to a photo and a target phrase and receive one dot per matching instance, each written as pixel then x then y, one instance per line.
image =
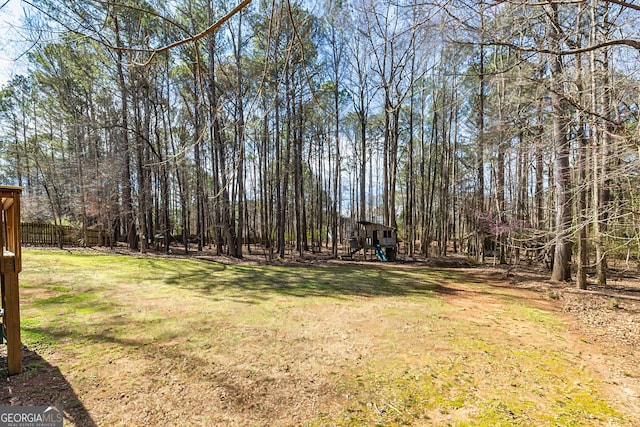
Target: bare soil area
pixel 606 319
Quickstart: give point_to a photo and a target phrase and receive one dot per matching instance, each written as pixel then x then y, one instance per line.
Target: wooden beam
pixel 12 319
pixel 7 202
pixel 7 263
pixel 10 266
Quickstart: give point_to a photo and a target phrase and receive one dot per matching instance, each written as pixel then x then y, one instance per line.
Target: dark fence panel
pixel 40 234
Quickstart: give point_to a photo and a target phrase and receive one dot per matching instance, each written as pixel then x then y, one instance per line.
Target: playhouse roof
pixel 366 223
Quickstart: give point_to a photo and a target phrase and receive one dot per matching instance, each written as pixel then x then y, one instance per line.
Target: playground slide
pixel 381 255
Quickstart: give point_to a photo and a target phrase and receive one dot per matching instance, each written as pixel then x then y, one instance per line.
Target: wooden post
pixel 10 267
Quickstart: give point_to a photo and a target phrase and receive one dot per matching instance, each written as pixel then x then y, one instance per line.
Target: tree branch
pixel 146 11
pixel 635 44
pixel 624 4
pixel 211 29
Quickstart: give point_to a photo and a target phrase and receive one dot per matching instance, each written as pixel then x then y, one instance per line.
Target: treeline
pixel 465 125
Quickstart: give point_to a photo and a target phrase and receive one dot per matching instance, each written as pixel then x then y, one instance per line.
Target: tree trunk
pixel 240 138
pixel 479 205
pixel 562 256
pixel 127 200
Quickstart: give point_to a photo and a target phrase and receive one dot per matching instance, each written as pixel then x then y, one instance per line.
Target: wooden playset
pixel 377 238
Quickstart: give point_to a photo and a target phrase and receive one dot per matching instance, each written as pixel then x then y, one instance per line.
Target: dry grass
pixel 150 341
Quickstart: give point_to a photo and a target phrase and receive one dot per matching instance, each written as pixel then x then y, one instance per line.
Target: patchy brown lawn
pixel 121 340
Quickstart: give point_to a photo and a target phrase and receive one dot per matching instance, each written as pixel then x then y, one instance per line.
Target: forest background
pixel 468 126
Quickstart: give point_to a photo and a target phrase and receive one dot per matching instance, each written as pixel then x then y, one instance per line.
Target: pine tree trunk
pixel 562 255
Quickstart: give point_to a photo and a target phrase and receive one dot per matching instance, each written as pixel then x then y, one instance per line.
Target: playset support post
pixel 10 267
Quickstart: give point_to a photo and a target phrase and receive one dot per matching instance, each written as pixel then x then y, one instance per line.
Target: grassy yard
pixel 158 341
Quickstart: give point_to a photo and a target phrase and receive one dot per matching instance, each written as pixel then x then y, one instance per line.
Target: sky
pixel 11 42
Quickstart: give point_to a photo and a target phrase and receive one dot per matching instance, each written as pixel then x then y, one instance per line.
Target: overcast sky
pixel 11 44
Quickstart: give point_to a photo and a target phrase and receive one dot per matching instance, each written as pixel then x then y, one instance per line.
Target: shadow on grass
pixel 167 360
pixel 41 384
pixel 251 283
pixel 263 282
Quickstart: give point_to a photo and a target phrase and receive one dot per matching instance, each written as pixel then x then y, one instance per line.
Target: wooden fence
pixel 37 234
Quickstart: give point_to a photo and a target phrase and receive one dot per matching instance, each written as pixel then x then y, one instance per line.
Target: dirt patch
pixel 42 383
pixel 603 320
pixel 610 314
